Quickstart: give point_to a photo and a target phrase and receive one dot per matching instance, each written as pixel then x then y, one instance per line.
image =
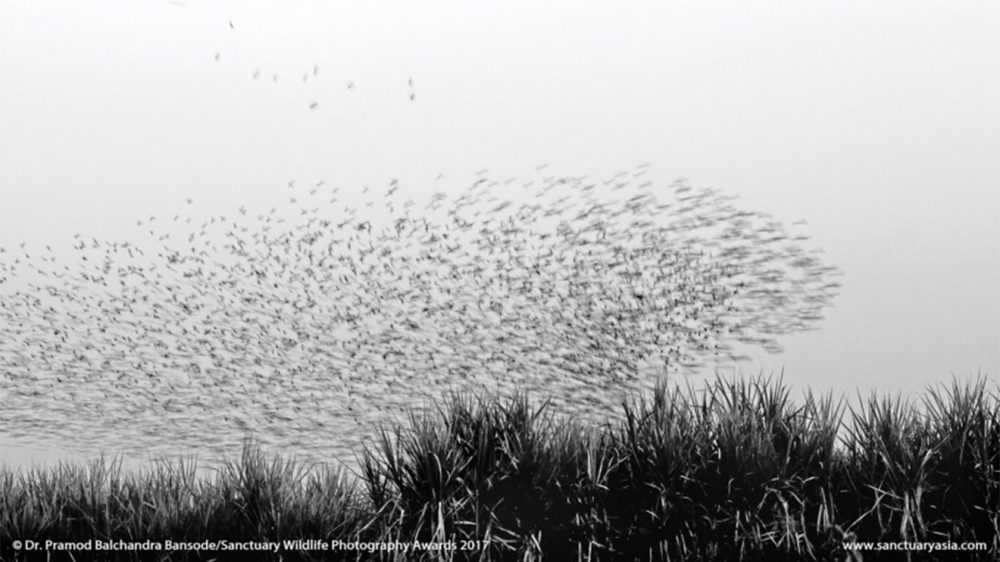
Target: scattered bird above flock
pixel 257 73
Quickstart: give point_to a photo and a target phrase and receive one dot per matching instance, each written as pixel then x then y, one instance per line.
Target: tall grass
pixel 733 471
pixel 249 499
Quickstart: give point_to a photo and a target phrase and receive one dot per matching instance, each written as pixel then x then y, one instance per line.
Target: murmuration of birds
pixel 309 321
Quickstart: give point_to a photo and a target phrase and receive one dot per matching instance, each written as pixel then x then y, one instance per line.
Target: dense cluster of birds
pixel 307 322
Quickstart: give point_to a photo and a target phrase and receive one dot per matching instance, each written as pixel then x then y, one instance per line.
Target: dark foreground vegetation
pixel 734 472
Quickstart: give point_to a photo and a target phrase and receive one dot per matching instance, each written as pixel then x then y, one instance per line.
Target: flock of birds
pixel 306 323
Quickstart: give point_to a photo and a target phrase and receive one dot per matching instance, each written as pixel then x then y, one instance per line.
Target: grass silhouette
pixel 732 471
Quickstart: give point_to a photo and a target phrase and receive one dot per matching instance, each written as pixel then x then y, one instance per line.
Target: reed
pixel 248 499
pixel 734 470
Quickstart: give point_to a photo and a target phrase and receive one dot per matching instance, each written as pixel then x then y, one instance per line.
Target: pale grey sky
pixel 876 122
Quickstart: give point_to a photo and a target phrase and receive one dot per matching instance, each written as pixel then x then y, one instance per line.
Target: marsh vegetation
pixel 735 470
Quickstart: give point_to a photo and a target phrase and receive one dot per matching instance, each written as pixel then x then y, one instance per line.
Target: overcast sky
pixel 876 122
